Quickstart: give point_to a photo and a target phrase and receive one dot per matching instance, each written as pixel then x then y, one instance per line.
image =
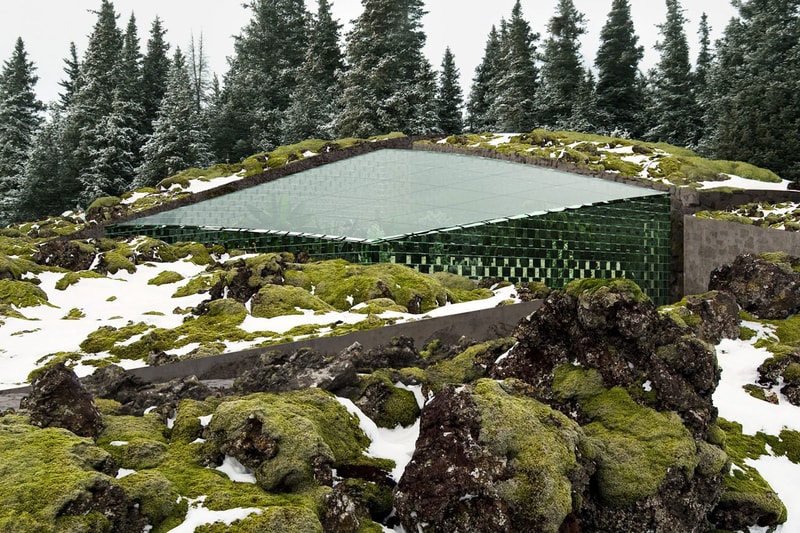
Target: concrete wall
pixel 708 244
pixel 480 325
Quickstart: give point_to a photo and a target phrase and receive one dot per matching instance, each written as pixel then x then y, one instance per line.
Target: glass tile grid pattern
pixel 627 238
pixel 392 192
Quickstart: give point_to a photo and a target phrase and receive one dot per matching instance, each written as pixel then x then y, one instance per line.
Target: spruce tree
pixel 45 192
pixel 312 109
pixel 676 117
pixel 619 88
pixel 263 71
pixel 71 69
pixel 179 141
pixel 702 88
pixel 514 105
pixel 484 86
pixel 155 69
pixel 19 120
pixel 449 98
pixel 199 73
pixel 389 86
pixel 756 81
pixel 563 74
pixel 94 98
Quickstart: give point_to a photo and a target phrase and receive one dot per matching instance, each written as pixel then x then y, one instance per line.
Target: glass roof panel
pixel 396 192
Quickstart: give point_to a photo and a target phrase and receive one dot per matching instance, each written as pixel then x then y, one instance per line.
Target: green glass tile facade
pixel 627 238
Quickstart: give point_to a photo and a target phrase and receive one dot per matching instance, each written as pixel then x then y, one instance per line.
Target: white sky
pixel 48 26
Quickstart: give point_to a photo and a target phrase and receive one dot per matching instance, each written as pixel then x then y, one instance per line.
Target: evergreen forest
pixel 131 114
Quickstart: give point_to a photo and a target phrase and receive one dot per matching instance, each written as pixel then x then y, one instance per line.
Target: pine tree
pixel 19 120
pixel 390 86
pixel 155 69
pixel 450 99
pixel 484 86
pixel 94 98
pixel 312 109
pixel 676 117
pixel 70 84
pixel 45 192
pixel 563 74
pixel 199 73
pixel 756 81
pixel 263 71
pixel 514 105
pixel 179 141
pixel 619 91
pixel 703 94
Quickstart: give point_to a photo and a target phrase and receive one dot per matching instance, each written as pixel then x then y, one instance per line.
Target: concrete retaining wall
pixel 708 244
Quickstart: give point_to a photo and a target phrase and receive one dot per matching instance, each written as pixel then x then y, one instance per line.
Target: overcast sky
pixel 48 26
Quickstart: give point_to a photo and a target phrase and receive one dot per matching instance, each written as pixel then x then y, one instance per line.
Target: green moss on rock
pixel 636 446
pixel 106 337
pixel 468 365
pixel 157 498
pixel 71 278
pixel 21 293
pixel 278 300
pixel 378 306
pixel 389 406
pixel 15 268
pixel 591 286
pixel 310 427
pixel 42 471
pixel 540 445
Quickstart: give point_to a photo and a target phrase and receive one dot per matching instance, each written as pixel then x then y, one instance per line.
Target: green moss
pixel 200 253
pixel 746 333
pixel 636 446
pixel 106 337
pixel 155 495
pixel 279 300
pixel 143 437
pixel 468 365
pixel 198 284
pixel 343 285
pixel 42 471
pixel 540 446
pixel 277 519
pixel 187 425
pixel 16 268
pixel 21 294
pixel 378 306
pixel 371 322
pixel 105 201
pixel 724 216
pixel 310 425
pixel 71 278
pixel 744 486
pixel 116 261
pixel 74 314
pixel 396 407
pixel 592 286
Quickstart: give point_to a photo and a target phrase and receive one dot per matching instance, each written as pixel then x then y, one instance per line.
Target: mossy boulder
pixel 278 300
pixel 471 364
pixel 388 406
pixel 165 278
pixel 378 306
pixel 21 294
pixel 14 268
pixel 490 458
pixel 54 481
pixel 712 316
pixel 343 285
pixel 290 440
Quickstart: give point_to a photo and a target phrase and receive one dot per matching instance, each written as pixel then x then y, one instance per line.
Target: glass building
pixel 472 216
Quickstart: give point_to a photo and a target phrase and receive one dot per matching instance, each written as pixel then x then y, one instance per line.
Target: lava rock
pixel 278 371
pixel 58 399
pixel 72 255
pixel 766 285
pixel 400 352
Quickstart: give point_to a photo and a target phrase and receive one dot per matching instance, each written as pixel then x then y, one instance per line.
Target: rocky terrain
pixel 596 415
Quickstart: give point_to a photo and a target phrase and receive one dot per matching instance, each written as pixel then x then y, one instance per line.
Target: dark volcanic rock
pixel 136 396
pixel 278 371
pixel 718 312
pixel 58 399
pixel 71 255
pixel 399 353
pixel 617 331
pixel 112 503
pixel 782 370
pixel 766 285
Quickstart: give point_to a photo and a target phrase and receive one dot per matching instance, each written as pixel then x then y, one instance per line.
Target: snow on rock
pixel 236 471
pixel 745 183
pixel 197 515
